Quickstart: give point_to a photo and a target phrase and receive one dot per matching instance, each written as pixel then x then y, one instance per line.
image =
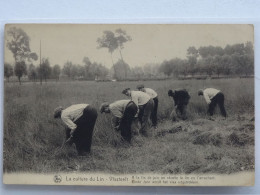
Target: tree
pixel 67 68
pixel 113 41
pixel 138 72
pixel 88 70
pixel 20 70
pixel 8 70
pixel 192 51
pixel 108 41
pixel 56 70
pixel 18 42
pixel 32 72
pixel 122 69
pixel 74 71
pixel 100 71
pixel 207 65
pixel 217 65
pixel 166 68
pixel 45 69
pixel 249 48
pixel 192 55
pixel 121 38
pixel 226 61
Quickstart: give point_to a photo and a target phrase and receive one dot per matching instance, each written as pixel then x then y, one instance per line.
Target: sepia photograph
pixel 129 104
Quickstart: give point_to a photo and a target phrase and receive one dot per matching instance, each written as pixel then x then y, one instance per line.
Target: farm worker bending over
pixel 80 120
pixel 154 96
pixel 124 112
pixel 213 97
pixel 145 104
pixel 181 99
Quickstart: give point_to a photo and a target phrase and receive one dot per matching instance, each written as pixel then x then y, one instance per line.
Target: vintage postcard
pixel 129 104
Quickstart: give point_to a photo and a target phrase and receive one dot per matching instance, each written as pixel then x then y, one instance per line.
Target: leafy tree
pixel 67 68
pixel 20 70
pixel 8 70
pixel 100 71
pixel 92 71
pixel 249 48
pixel 56 70
pixel 113 41
pixel 74 71
pixel 45 69
pixel 207 65
pixel 18 42
pixel 226 61
pixel 121 38
pixel 192 51
pixel 108 41
pixel 32 72
pixel 122 69
pixel 166 68
pixel 217 65
pixel 138 72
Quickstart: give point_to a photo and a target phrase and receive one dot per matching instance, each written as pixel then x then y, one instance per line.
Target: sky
pixel 151 43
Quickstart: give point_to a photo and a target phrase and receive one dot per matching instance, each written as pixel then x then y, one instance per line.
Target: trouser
pixel 144 115
pixel 218 99
pixel 181 111
pixel 82 136
pixel 126 121
pixel 154 112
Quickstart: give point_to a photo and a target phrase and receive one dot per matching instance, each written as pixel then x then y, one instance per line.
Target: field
pixel 33 138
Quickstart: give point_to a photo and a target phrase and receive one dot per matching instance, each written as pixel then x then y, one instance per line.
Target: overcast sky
pixel 150 43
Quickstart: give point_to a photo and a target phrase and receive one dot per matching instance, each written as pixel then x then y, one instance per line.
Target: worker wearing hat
pixel 145 104
pixel 154 96
pixel 124 112
pixel 181 99
pixel 80 120
pixel 213 98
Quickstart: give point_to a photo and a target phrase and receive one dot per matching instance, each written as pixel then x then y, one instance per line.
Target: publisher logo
pixel 57 179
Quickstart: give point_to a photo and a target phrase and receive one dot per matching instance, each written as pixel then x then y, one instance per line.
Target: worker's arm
pixel 115 123
pixel 66 119
pixel 206 96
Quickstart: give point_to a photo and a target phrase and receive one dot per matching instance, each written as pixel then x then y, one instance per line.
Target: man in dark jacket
pixel 80 120
pixel 181 99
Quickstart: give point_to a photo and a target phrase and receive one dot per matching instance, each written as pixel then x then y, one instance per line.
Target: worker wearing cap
pixel 154 96
pixel 213 98
pixel 181 99
pixel 80 120
pixel 145 104
pixel 124 112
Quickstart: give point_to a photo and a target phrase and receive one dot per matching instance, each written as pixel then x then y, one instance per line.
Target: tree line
pixel 236 59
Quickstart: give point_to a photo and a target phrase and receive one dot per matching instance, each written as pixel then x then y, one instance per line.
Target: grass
pixel 32 137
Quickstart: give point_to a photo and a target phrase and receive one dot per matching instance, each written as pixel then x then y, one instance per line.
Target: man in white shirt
pixel 154 96
pixel 124 112
pixel 145 104
pixel 214 97
pixel 80 120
